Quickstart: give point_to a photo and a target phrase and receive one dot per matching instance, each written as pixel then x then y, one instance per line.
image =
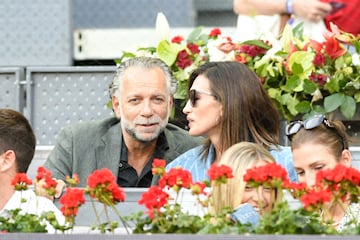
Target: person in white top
pixel 17 147
pixel 265 19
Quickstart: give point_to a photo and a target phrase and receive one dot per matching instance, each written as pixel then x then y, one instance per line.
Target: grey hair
pixel 145 63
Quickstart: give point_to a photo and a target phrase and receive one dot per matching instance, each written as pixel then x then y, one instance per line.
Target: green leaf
pixel 334 101
pixel 301 63
pixel 258 43
pixel 168 51
pixel 294 84
pixel 194 34
pixel 348 108
pixel 357 96
pixel 303 107
pixel 309 86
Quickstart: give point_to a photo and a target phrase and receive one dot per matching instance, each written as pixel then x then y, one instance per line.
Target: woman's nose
pixel 187 107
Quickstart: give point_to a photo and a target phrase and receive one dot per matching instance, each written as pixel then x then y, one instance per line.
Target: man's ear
pixel 7 160
pixel 115 105
pixel 346 158
pixel 171 102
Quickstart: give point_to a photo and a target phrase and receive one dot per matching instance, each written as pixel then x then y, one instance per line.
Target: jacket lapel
pixel 107 151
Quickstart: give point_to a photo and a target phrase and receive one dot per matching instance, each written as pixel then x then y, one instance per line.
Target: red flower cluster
pixel 44 177
pixel 158 167
pixel 314 199
pixel 154 199
pixel 177 39
pixel 342 181
pixel 42 173
pixel 252 50
pixel 73 181
pixel 215 33
pixel 318 78
pixel 220 174
pixel 270 175
pixel 183 59
pixel 198 188
pixel 21 182
pixel 176 178
pixel 72 199
pixel 102 186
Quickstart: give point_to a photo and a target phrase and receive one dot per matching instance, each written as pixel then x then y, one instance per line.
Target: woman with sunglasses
pixel 227 104
pixel 318 143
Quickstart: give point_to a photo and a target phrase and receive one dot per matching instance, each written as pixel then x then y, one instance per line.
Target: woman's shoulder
pixel 188 157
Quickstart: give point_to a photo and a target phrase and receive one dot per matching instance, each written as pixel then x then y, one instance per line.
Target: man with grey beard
pixel 141 94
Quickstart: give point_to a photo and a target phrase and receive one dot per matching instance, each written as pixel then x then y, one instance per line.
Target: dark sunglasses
pixel 194 96
pixel 293 127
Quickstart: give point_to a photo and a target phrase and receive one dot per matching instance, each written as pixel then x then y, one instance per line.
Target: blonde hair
pixel 240 157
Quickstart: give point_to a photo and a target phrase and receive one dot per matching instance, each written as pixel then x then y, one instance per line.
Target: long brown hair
pixel 249 114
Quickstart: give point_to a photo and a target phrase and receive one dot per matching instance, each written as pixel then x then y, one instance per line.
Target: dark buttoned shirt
pixel 128 176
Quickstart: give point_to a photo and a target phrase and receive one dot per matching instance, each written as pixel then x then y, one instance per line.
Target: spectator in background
pixel 345 15
pixel 248 203
pixel 17 147
pixel 259 19
pixel 141 94
pixel 228 104
pixel 317 144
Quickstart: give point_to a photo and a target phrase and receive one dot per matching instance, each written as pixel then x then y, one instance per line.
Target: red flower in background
pixel 194 48
pixel 176 178
pixel 183 59
pixel 21 182
pixel 177 39
pixel 220 174
pixel 333 48
pixel 318 78
pixel 319 60
pixel 215 32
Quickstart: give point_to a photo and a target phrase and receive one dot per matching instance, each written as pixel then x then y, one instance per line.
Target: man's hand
pixel 41 190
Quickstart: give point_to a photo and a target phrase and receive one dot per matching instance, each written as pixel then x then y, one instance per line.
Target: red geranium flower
pixel 154 199
pixel 314 199
pixel 21 182
pixel 271 175
pixel 176 178
pixel 158 167
pixel 198 188
pixel 43 173
pixel 72 199
pixel 103 187
pixel 220 174
pixel 73 181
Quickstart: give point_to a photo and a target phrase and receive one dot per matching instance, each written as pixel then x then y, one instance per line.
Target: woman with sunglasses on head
pixel 227 104
pixel 317 144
